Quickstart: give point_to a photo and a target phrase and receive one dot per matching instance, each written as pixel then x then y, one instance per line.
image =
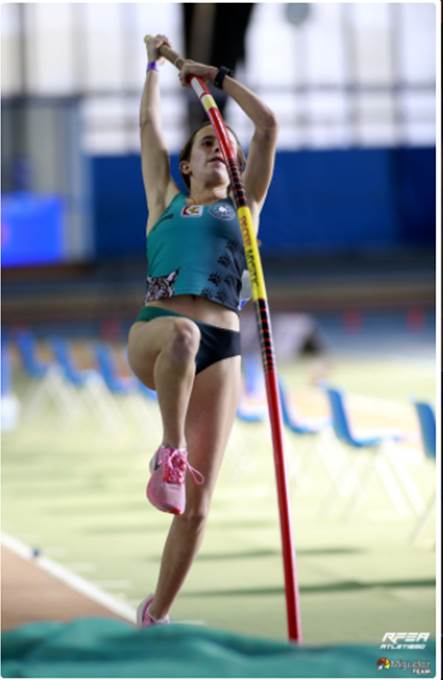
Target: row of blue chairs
pixel 121 385
pixel 104 359
pixel 340 419
pixel 98 384
pixel 374 450
pixel 35 369
pixel 62 382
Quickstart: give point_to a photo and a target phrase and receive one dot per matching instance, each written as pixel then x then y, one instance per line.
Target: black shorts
pixel 215 343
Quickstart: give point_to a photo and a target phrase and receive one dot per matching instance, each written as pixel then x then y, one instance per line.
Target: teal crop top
pixel 196 250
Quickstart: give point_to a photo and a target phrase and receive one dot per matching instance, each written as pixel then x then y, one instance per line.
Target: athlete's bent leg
pixel 162 354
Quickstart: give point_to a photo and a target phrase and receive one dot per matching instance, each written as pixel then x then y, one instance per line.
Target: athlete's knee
pixel 184 340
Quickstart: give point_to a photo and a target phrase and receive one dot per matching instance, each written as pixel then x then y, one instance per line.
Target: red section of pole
pixel 287 538
pixel 284 506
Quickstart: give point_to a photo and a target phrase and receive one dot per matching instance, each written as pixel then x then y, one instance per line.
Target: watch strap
pixel 221 74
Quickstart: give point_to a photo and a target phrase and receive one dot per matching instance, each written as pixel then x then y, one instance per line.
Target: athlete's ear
pixel 185 167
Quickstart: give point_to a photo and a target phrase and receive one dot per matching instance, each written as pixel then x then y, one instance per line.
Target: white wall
pixel 304 72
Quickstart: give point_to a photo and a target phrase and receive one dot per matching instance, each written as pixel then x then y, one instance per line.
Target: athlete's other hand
pixel 153 43
pixel 192 68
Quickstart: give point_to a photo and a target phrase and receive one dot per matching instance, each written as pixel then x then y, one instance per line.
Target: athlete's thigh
pixel 209 420
pixel 145 342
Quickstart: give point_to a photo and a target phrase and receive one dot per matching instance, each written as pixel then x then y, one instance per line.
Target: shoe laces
pixel 175 466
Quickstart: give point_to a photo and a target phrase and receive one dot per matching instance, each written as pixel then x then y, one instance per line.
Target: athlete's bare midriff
pixel 200 309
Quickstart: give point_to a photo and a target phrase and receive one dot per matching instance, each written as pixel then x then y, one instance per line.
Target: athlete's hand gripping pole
pixel 267 348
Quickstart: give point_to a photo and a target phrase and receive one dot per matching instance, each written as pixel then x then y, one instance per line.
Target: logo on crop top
pixel 159 287
pixel 222 212
pixel 192 211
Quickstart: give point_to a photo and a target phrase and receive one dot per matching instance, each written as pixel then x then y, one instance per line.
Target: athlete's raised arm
pixel 159 185
pixel 260 161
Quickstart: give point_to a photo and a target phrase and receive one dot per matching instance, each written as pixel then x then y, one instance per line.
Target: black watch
pixel 222 72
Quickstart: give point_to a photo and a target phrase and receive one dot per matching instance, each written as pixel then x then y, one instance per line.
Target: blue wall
pixel 319 201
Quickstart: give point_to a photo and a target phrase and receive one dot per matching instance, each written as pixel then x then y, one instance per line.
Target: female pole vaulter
pixel 185 342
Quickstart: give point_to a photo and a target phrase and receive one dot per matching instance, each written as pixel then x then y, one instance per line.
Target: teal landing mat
pixel 105 648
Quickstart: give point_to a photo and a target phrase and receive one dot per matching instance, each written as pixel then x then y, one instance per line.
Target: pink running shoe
pixel 144 618
pixel 166 487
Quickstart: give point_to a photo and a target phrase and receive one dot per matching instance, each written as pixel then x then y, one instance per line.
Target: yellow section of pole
pixel 252 254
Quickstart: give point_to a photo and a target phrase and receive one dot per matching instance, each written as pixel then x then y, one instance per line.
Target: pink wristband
pixel 152 66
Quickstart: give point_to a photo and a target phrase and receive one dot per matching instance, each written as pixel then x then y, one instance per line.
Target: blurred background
pixel 347 240
pixel 350 217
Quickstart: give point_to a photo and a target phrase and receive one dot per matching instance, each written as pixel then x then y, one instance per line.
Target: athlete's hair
pixel 185 153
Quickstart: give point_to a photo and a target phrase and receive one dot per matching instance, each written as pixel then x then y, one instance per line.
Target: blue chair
pixel 6 370
pixel 247 416
pixel 128 387
pixel 310 429
pixel 426 418
pixel 10 406
pixel 253 387
pixel 26 345
pixel 146 392
pixel 342 427
pixel 64 359
pixel 87 385
pixel 120 386
pixel 47 381
pixel 297 427
pixel 107 367
pixel 393 477
pixel 252 375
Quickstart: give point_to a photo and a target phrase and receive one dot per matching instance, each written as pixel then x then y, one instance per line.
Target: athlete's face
pixel 206 160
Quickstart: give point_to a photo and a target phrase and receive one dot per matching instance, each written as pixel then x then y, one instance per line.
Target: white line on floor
pixel 72 580
pixel 111 584
pixel 81 567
